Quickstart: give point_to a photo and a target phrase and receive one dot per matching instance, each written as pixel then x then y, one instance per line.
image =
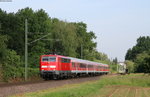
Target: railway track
pixel 20 83
pixel 23 87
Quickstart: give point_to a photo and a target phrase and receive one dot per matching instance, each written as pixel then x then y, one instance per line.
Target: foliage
pixel 3 46
pixel 143 44
pixel 11 65
pixel 115 60
pixel 33 72
pixel 142 62
pixel 140 55
pixel 113 68
pixel 130 66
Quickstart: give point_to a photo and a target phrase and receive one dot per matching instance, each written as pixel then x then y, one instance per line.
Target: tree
pixel 9 60
pixel 143 44
pixel 139 54
pixel 130 66
pixel 3 47
pixel 147 64
pixel 11 66
pixel 142 62
pixel 115 61
pixel 85 39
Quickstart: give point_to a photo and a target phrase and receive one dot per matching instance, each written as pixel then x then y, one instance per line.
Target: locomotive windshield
pixel 49 59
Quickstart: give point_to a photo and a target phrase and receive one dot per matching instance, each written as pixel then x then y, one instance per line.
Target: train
pixel 122 68
pixel 58 67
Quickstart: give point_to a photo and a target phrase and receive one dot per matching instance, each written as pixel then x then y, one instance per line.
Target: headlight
pixel 52 66
pixel 44 66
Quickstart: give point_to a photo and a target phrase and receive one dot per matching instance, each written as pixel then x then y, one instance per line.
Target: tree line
pixel 63 38
pixel 138 57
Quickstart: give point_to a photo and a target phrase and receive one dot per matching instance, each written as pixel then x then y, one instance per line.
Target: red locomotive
pixel 57 66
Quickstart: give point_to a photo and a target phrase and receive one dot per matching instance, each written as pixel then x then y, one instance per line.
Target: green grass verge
pixel 88 88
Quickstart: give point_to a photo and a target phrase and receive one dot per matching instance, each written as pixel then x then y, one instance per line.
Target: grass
pixel 94 87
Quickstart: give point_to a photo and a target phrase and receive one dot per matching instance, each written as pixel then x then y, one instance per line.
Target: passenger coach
pixel 57 66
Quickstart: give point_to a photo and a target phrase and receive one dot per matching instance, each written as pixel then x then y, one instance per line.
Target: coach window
pixel 64 60
pixel 99 67
pixel 90 66
pixel 82 65
pixel 73 64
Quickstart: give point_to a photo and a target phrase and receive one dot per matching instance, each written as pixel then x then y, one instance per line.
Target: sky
pixel 116 23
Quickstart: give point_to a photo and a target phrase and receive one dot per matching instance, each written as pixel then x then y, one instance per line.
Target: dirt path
pixel 123 91
pixel 12 89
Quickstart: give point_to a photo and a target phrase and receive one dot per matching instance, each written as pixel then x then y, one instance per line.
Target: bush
pixel 142 62
pixel 11 65
pixel 33 72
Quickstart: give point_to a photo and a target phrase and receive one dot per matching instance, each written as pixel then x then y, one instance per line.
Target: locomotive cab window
pixel 44 59
pixel 49 59
pixel 52 59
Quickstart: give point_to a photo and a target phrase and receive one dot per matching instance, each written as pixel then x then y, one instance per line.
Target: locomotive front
pixel 48 66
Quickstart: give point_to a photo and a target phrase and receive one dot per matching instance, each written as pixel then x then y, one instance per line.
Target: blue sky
pixel 116 23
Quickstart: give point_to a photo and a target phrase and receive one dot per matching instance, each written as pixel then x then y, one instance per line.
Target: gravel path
pixel 12 89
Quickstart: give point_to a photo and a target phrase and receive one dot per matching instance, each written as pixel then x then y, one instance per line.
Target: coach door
pixel 65 64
